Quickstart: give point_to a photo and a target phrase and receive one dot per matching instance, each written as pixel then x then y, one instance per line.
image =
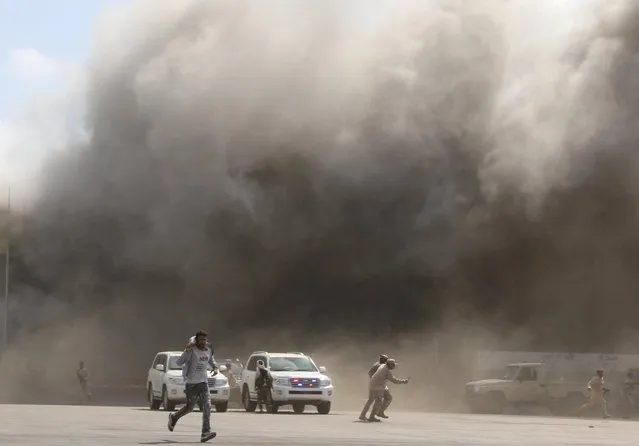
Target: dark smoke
pixel 261 166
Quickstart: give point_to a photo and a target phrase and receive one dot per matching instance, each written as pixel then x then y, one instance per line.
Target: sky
pixel 43 47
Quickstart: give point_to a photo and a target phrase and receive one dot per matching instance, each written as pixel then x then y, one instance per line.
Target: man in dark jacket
pixel 263 384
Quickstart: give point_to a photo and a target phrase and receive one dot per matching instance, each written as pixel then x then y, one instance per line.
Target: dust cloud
pixel 283 178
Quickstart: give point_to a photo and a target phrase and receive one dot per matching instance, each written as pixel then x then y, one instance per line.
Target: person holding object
pixel 377 386
pixel 195 361
pixel 388 397
pixel 263 385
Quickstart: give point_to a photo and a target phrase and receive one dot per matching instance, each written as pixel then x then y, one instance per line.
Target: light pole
pixel 7 253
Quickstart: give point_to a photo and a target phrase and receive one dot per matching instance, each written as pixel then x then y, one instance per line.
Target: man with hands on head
pixel 195 359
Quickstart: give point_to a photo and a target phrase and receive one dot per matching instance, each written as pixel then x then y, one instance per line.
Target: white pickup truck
pixel 526 384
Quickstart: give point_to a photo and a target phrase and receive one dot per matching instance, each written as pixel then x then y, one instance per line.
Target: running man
pixel 195 361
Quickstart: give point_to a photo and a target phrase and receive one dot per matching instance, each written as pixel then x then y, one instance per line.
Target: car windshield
pixel 291 364
pixel 173 365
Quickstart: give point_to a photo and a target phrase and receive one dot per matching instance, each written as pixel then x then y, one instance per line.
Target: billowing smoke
pixel 268 167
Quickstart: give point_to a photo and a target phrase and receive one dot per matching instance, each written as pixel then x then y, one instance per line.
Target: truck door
pixel 528 387
pixel 158 375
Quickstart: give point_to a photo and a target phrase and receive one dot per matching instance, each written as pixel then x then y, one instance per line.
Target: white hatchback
pixel 165 384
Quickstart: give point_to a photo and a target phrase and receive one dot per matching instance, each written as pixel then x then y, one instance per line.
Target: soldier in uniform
pixel 263 384
pixel 388 397
pixel 597 390
pixel 377 387
pixel 83 377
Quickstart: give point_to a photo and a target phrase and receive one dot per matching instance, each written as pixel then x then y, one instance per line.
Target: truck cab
pixel 529 383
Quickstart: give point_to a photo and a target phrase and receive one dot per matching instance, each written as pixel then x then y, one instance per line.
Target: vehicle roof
pixel 280 354
pixel 526 364
pixel 169 353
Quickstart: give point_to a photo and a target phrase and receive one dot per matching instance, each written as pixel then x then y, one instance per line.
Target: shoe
pixel 382 415
pixel 606 416
pixel 374 420
pixel 363 418
pixel 171 424
pixel 206 436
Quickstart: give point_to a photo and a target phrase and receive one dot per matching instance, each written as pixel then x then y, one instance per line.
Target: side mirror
pixel 159 367
pixel 322 369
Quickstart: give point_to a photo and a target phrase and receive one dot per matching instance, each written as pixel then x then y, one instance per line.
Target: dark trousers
pixel 195 392
pixel 262 395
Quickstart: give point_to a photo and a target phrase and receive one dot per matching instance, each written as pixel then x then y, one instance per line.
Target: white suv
pixel 165 384
pixel 296 381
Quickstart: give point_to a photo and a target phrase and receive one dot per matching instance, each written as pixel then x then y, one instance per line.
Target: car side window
pixel 156 361
pixel 252 364
pixel 527 374
pixel 162 360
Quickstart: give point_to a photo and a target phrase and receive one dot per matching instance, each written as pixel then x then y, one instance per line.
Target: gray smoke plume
pixel 259 166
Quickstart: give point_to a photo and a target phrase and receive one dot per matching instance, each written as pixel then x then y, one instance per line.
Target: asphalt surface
pixel 23 425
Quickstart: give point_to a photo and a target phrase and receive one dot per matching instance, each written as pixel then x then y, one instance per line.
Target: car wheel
pixel 153 403
pixel 496 402
pixel 222 407
pixel 324 408
pixel 298 408
pixel 249 405
pixel 166 402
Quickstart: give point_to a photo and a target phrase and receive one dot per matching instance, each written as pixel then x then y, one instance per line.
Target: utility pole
pixel 7 253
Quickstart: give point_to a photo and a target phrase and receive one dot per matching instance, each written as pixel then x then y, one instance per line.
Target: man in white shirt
pixel 597 390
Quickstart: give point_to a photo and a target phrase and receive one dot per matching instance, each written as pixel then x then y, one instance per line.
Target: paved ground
pixel 93 426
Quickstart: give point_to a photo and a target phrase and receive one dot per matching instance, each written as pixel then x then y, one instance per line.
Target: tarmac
pixel 24 425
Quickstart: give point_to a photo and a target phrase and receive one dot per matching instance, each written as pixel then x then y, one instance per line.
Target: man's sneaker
pixel 374 420
pixel 363 418
pixel 171 423
pixel 382 415
pixel 206 436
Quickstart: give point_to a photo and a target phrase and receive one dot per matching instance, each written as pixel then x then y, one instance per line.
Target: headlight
pixel 325 382
pixel 219 382
pixel 282 382
pixel 176 381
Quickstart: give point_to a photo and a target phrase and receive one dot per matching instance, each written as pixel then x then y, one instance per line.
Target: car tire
pixel 249 405
pixel 298 408
pixel 496 403
pixel 324 408
pixel 167 404
pixel 154 404
pixel 222 407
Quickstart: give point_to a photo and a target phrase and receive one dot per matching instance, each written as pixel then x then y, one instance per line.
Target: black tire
pixel 324 408
pixel 222 407
pixel 249 405
pixel 298 407
pixel 495 403
pixel 153 403
pixel 167 404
